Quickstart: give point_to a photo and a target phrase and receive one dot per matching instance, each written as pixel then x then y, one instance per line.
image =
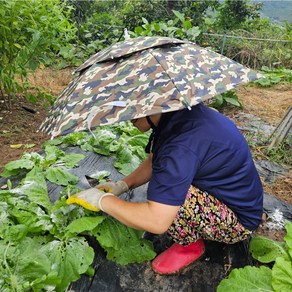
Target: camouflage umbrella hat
pixel 140 77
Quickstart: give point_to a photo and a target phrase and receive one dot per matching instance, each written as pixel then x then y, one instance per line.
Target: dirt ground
pixel 18 127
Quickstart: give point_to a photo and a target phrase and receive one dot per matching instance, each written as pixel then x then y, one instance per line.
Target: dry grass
pixel 52 81
pixel 270 104
pixel 281 188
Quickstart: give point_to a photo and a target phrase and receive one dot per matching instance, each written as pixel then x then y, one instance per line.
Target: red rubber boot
pixel 177 257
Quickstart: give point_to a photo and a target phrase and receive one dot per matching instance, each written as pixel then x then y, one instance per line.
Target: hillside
pixel 276 10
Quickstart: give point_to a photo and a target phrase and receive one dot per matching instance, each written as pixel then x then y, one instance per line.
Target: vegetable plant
pixel 226 98
pixel 111 141
pixel 44 244
pixel 264 278
pixel 274 76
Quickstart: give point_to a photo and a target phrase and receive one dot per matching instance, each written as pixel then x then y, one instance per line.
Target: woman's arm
pixel 141 174
pixel 149 216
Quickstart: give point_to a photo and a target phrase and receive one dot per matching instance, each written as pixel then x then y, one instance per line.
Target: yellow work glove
pixel 89 199
pixel 116 188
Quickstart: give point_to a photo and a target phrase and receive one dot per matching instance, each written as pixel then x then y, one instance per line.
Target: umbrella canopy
pixel 140 77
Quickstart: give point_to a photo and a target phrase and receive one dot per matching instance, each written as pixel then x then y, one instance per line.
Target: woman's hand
pixel 116 188
pixel 89 199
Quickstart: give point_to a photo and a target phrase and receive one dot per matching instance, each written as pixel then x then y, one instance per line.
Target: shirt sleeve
pixel 173 170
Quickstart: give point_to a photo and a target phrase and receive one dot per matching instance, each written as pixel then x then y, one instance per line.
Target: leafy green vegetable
pixel 282 275
pixel 34 187
pixel 265 250
pixel 53 153
pixel 105 140
pixel 129 158
pixel 123 245
pixel 75 139
pixel 228 97
pixel 84 224
pixel 28 267
pixel 288 237
pixel 274 76
pixel 101 176
pixel 71 160
pixel 52 165
pixel 247 279
pixel 14 167
pixel 60 176
pixel 69 258
pixel 39 262
pixel 42 247
pixel 124 141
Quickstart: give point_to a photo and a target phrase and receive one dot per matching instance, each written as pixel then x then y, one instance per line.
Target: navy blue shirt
pixel 203 148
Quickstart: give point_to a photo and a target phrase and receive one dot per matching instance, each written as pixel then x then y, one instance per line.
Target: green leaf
pixel 233 101
pixel 33 64
pixel 247 279
pixel 127 127
pixel 218 103
pixel 33 262
pixel 14 232
pixel 60 176
pixel 288 236
pixel 53 153
pixel 137 140
pixel 29 214
pixel 84 224
pixel 53 142
pixel 75 138
pixel 123 245
pixel 70 259
pixel 267 250
pixel 35 188
pixel 101 150
pixel 145 20
pixel 179 15
pixel 71 160
pixel 282 275
pixel 9 184
pixel 18 46
pixel 193 32
pixel 28 146
pixel 263 82
pixel 101 176
pixel 28 265
pixel 127 160
pixel 13 168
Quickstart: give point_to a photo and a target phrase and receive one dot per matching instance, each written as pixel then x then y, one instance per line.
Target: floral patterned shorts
pixel 203 216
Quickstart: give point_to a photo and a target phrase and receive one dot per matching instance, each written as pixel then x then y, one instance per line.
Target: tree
pixel 232 13
pixel 161 10
pixel 28 30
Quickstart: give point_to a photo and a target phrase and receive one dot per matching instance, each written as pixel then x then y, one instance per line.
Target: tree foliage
pixel 28 31
pixel 162 10
pixel 233 13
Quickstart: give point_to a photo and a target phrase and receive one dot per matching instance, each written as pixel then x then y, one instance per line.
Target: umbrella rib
pixel 183 99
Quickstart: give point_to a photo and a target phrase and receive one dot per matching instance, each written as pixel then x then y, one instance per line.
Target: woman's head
pixel 143 125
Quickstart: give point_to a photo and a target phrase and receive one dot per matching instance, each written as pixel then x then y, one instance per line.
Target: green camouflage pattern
pixel 130 46
pixel 126 82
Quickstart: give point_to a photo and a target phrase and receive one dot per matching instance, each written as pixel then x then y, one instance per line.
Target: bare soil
pixel 19 126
